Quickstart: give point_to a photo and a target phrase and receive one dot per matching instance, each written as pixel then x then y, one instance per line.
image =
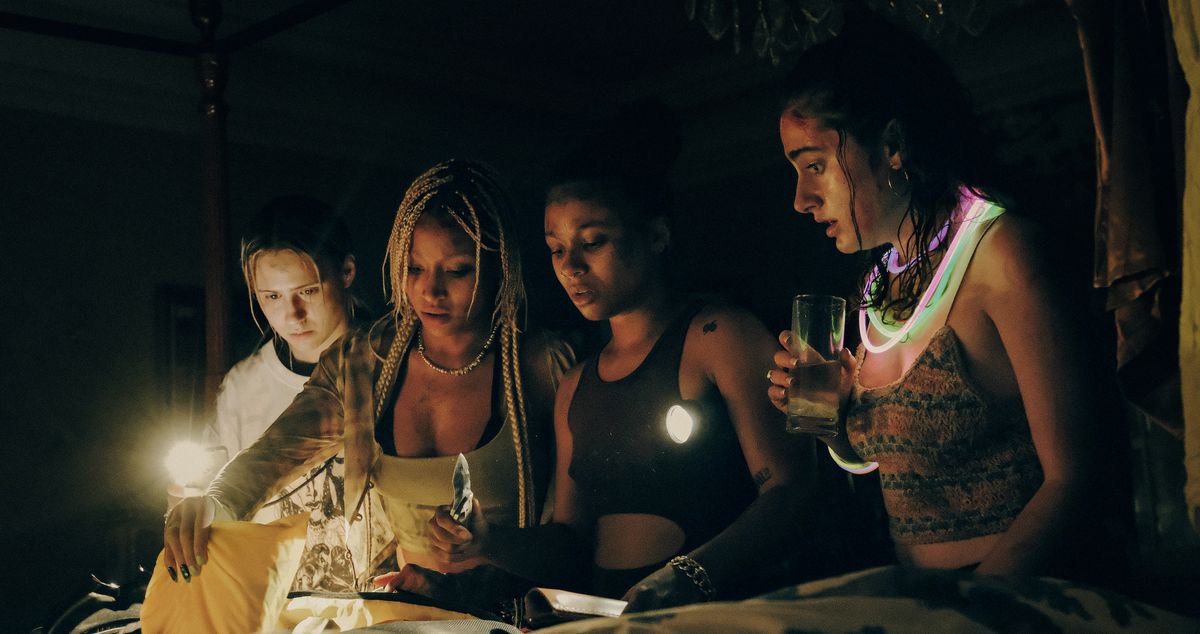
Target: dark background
pixel 100 198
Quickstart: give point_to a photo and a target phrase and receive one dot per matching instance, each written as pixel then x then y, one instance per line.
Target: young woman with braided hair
pixel 674 480
pixel 448 371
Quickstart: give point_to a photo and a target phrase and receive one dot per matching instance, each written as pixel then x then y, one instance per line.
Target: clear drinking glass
pixel 818 322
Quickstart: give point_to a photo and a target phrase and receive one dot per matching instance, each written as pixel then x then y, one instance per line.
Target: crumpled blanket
pixel 896 599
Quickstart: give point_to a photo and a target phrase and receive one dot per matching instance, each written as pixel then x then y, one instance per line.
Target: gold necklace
pixel 455 371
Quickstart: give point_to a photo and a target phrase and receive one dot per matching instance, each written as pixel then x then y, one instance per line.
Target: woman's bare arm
pixel 736 351
pixel 1043 346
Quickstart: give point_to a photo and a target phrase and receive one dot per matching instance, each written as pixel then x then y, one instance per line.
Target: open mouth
pixel 581 295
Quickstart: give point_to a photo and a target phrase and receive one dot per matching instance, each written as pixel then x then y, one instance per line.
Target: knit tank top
pixel 953 464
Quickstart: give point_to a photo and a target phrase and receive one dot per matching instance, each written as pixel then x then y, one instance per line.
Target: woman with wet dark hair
pixel 969 392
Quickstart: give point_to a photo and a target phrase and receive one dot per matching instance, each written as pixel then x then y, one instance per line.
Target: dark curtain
pixel 1138 96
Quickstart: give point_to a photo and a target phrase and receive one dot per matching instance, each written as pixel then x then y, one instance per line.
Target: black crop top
pixel 624 461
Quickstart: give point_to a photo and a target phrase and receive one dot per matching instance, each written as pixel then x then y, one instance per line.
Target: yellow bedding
pixel 243 588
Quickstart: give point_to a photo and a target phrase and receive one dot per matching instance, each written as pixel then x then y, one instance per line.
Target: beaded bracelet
pixel 857 468
pixel 696 573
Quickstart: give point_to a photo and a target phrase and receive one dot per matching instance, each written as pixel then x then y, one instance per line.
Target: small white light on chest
pixel 680 424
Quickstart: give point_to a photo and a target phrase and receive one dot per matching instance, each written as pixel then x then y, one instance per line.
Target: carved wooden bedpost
pixel 212 70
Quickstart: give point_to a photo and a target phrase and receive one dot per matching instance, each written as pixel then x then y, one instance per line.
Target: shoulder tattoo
pixel 710 326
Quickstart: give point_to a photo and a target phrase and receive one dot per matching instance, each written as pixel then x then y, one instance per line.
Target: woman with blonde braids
pixel 448 371
pixel 674 480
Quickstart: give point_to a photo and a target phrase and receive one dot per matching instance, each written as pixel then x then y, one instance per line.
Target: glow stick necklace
pixel 979 210
pixel 895 268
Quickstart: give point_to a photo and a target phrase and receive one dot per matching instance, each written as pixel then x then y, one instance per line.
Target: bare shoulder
pixel 545 347
pixel 1012 255
pixel 726 323
pixel 727 337
pixel 1011 264
pixel 545 357
pixel 570 380
pixel 564 396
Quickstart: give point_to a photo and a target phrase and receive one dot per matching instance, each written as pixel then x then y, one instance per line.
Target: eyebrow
pixel 586 225
pixel 801 150
pixel 294 288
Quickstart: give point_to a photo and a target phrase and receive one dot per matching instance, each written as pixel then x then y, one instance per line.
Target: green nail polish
pixel 174 575
pixel 187 574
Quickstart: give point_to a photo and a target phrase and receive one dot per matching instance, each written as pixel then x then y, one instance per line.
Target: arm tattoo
pixel 761 477
pixel 710 326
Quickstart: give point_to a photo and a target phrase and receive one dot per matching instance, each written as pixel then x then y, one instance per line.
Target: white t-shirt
pixel 253 394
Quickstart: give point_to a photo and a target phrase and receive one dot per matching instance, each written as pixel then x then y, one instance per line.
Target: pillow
pixel 243 587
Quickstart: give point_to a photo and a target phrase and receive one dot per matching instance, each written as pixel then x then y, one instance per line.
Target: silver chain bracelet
pixel 696 573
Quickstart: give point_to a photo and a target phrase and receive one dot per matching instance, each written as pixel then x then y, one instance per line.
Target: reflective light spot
pixel 680 424
pixel 186 463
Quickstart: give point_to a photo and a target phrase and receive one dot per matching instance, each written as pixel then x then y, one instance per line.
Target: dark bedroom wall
pixel 95 219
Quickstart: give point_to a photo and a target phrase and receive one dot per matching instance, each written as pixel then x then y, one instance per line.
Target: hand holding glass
pixel 818 322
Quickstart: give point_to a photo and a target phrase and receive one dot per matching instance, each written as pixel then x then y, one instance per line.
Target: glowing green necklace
pixel 971 223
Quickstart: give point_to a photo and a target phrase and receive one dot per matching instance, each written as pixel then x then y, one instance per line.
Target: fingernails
pixel 187 574
pixel 201 560
pixel 174 575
